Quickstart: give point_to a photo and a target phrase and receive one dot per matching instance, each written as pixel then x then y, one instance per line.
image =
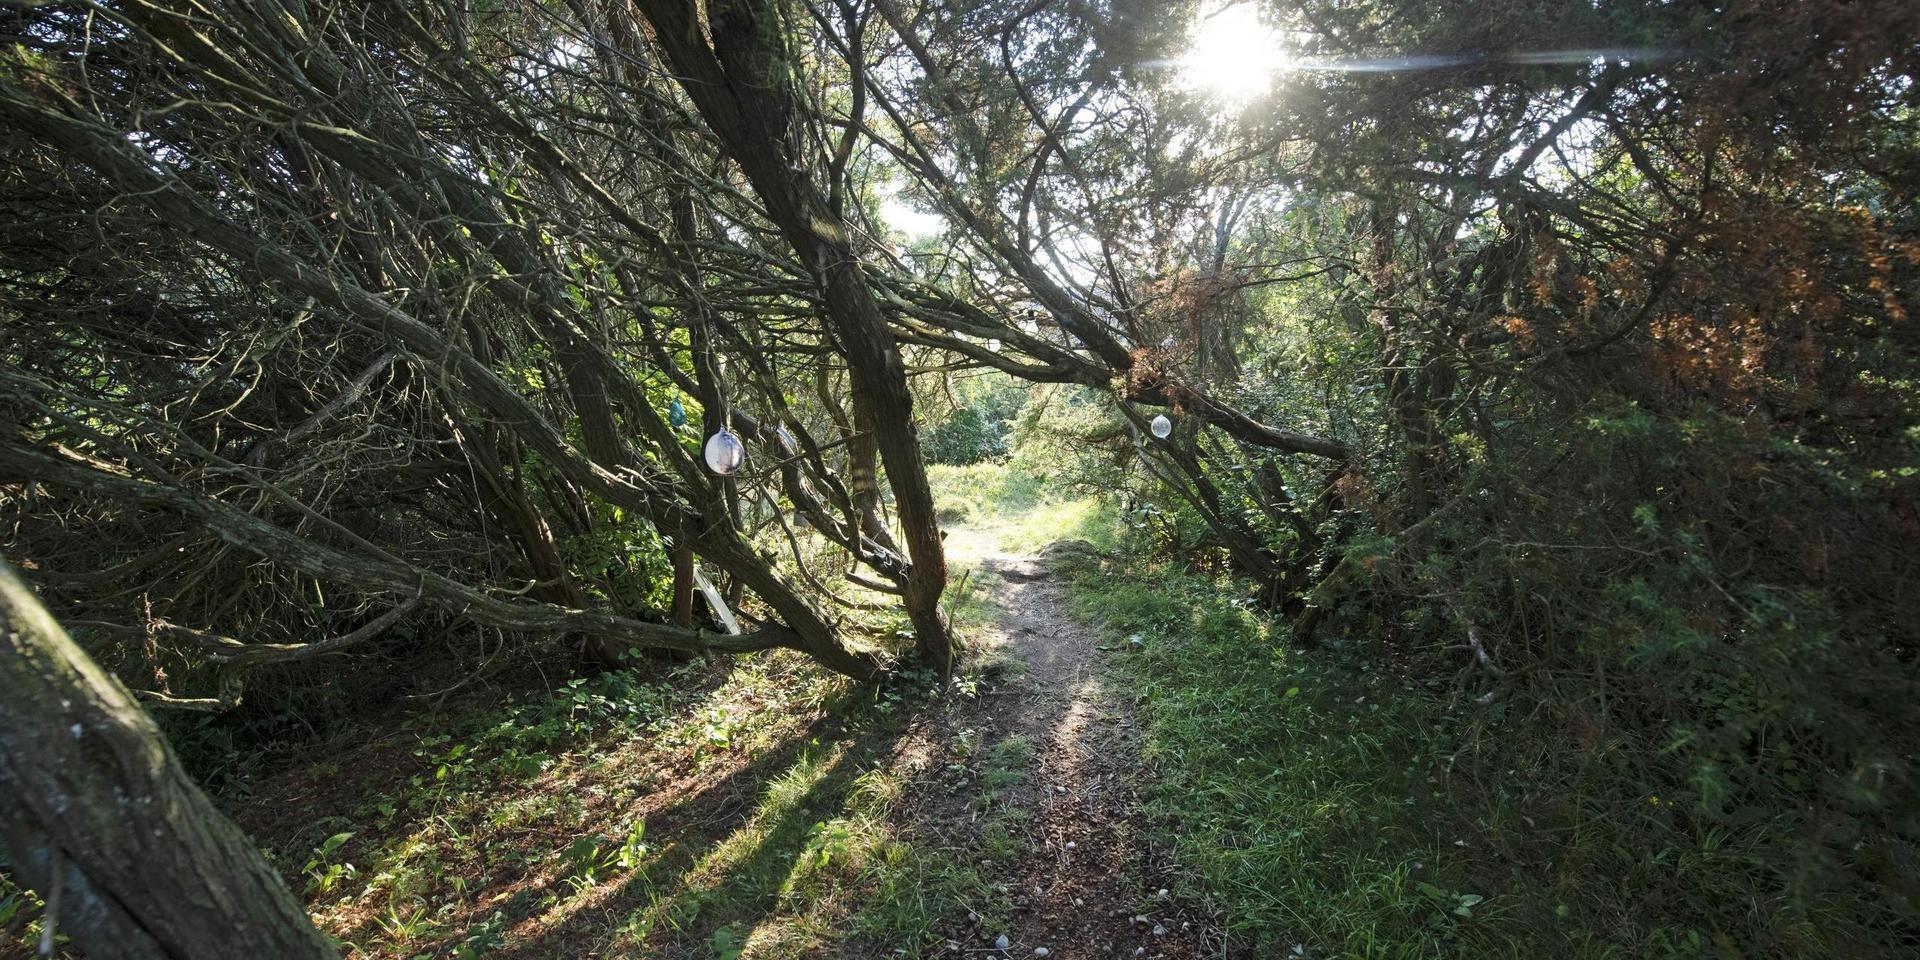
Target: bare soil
pixel 1088 883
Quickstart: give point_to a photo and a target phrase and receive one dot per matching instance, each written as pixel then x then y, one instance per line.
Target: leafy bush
pixel 979 427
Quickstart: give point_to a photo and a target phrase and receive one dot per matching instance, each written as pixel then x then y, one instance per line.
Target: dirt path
pixel 1031 786
pixel 1086 884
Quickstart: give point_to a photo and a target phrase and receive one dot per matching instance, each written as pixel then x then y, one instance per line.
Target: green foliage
pixel 1395 812
pixel 591 859
pixel 483 938
pixel 21 911
pixel 1064 438
pixel 979 424
pixel 965 436
pixel 322 870
pixel 622 558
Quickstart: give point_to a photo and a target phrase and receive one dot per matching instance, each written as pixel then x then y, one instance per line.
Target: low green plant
pixel 322 871
pixel 406 926
pixel 725 945
pixel 482 938
pixel 20 911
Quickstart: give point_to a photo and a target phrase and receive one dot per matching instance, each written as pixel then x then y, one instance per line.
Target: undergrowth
pixel 745 810
pixel 1332 806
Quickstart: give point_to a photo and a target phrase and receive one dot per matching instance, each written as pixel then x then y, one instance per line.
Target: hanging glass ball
pixel 725 453
pixel 677 413
pixel 1161 426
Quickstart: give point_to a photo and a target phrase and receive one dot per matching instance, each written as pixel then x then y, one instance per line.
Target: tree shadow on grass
pixel 521 883
pixel 712 806
pixel 730 851
pixel 402 768
pixel 295 809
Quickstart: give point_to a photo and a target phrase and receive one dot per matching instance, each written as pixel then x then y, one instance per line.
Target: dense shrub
pixel 979 427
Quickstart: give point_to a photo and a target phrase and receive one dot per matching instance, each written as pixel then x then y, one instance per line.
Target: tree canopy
pixel 1568 343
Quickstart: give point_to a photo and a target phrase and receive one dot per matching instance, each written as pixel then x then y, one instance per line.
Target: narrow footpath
pixel 1087 883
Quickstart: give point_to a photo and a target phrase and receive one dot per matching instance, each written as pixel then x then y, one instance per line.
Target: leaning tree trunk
pixel 132 859
pixel 743 89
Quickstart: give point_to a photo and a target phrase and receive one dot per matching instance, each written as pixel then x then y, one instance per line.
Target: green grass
pixel 993 507
pixel 1005 768
pixel 522 832
pixel 521 829
pixel 1298 805
pixel 1334 808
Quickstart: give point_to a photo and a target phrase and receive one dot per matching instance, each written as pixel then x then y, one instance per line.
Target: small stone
pixel 1001 942
pixel 1079 902
pixel 1042 952
pixel 1070 844
pixel 1162 894
pixel 1159 930
pixel 1139 951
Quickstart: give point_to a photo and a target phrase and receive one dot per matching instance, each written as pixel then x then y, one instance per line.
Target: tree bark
pixel 743 89
pixel 99 809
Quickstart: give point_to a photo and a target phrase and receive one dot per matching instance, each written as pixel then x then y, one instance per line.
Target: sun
pixel 1234 53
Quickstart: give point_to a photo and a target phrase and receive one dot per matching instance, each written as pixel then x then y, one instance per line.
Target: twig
pixel 50 919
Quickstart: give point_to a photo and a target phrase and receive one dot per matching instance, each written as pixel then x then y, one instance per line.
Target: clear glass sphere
pixel 725 453
pixel 1161 426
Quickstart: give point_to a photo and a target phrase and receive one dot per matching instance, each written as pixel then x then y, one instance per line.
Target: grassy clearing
pixel 990 507
pixel 1348 812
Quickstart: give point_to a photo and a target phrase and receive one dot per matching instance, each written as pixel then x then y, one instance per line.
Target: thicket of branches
pixel 1589 375
pixel 330 320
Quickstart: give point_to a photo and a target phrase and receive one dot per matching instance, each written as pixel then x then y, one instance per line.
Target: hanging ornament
pixel 1161 427
pixel 725 453
pixel 677 413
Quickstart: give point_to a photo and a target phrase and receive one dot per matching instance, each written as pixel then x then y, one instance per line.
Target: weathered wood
pixel 98 809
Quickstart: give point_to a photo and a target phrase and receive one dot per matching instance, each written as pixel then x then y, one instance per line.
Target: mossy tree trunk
pixel 102 821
